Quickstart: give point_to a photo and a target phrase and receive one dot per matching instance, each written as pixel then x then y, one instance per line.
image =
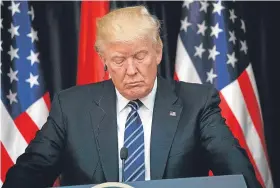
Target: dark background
pixel 57 24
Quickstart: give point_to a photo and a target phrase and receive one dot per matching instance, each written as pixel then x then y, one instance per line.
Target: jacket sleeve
pixel 40 164
pixel 225 154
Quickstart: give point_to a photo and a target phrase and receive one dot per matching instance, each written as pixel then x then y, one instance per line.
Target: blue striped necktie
pixel 134 169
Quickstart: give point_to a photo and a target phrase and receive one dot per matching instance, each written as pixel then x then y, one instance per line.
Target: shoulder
pixel 82 93
pixel 187 89
pixel 193 86
pixel 189 93
pixel 194 93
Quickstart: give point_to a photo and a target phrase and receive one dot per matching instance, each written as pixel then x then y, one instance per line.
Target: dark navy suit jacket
pixel 79 140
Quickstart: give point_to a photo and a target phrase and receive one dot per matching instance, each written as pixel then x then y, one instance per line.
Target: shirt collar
pixel 148 101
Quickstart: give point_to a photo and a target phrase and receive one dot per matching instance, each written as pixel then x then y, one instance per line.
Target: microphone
pixel 123 156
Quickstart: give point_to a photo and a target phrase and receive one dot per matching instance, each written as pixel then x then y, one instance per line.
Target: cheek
pixel 117 73
pixel 150 68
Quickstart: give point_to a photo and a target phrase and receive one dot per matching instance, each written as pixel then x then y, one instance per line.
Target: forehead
pixel 127 48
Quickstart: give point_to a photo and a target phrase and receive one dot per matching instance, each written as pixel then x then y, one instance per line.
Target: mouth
pixel 133 84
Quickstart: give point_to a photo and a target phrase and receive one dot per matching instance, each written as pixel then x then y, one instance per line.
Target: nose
pixel 131 68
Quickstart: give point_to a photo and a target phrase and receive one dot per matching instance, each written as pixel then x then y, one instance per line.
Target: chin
pixel 136 93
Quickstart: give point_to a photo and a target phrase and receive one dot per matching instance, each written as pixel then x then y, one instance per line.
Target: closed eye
pixel 141 55
pixel 118 60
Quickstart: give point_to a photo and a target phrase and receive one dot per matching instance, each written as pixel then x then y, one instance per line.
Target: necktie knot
pixel 135 104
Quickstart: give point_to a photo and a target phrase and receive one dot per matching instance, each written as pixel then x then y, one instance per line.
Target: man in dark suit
pixel 171 129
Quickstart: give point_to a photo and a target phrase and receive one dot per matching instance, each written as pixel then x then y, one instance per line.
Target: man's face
pixel 132 66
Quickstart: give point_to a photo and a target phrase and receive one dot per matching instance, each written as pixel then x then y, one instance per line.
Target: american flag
pixel 25 102
pixel 212 49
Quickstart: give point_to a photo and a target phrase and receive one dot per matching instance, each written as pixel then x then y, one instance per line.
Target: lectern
pixel 228 181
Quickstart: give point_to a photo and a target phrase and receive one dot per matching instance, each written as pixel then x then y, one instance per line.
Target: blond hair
pixel 127 24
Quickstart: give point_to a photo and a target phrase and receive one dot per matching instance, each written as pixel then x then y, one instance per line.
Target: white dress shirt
pixel 146 114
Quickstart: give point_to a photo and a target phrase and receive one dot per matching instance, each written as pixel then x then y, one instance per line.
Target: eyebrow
pixel 123 56
pixel 140 51
pixel 117 56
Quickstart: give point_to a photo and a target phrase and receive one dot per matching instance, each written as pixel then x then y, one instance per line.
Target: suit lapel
pixel 166 115
pixel 104 122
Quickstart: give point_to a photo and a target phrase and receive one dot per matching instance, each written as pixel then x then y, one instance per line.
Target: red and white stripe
pixel 16 134
pixel 240 106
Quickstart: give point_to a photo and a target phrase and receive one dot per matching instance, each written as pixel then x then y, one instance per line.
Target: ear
pixel 103 60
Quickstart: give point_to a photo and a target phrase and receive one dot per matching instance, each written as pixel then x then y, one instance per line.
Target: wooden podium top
pixel 228 181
